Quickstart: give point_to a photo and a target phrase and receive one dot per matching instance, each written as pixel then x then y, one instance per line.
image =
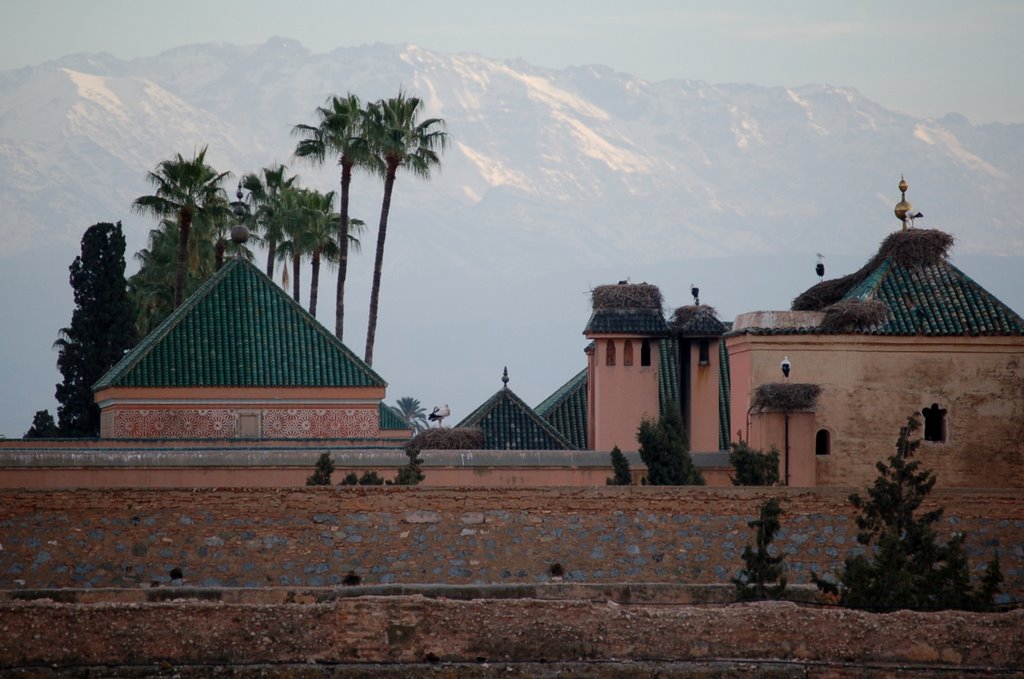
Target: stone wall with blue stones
pixel 313 537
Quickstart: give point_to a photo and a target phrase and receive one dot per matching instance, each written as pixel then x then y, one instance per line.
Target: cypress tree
pixel 620 465
pixel 754 467
pixel 665 451
pixel 321 475
pixel 43 426
pixel 763 569
pixel 102 327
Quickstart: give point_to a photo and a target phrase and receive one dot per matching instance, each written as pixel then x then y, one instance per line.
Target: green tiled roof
pixel 936 300
pixel 509 424
pixel 391 419
pixel 239 329
pixel 696 321
pixel 644 322
pixel 668 373
pixel 724 403
pixel 566 410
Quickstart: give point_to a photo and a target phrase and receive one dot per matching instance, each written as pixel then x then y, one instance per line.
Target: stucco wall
pixel 870 385
pixel 623 395
pixel 315 537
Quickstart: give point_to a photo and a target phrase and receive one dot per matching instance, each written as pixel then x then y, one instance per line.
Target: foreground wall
pixel 318 536
pixel 413 634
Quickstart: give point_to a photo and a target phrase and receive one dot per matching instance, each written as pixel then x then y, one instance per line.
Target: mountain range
pixel 555 181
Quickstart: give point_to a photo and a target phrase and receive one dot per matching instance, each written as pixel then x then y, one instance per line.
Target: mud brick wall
pixel 314 537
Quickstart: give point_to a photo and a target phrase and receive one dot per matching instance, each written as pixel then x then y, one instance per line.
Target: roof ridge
pixel 487 406
pixel 562 393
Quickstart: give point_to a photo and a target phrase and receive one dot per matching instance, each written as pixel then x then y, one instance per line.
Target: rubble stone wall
pixel 314 537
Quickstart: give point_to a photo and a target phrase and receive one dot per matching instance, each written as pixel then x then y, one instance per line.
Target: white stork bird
pixel 786 366
pixel 439 413
pixel 820 268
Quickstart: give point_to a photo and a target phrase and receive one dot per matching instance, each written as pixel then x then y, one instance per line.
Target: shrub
pixel 754 467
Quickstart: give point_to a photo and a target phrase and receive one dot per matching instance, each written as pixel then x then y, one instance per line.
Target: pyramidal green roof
pixel 922 292
pixel 509 424
pixel 239 329
pixel 566 410
pixel 391 419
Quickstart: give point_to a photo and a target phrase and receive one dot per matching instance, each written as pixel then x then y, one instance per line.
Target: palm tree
pixel 399 141
pixel 184 189
pixel 413 413
pixel 322 227
pixel 295 244
pixel 339 132
pixel 265 196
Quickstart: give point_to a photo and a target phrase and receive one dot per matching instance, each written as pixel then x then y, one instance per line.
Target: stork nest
pixel 913 248
pixel 443 438
pixel 849 315
pixel 627 296
pixel 701 319
pixel 786 396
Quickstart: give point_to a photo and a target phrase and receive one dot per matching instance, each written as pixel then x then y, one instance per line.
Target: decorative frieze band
pixel 220 423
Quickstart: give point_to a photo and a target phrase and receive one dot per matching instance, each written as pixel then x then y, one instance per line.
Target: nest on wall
pixel 443 438
pixel 913 248
pixel 786 396
pixel 849 315
pixel 627 296
pixel 684 314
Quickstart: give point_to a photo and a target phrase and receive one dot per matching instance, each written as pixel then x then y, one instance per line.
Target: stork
pixel 913 216
pixel 695 291
pixel 786 366
pixel 439 413
pixel 820 268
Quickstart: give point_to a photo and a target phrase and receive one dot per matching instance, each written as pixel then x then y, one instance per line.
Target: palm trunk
pixel 271 254
pixel 382 232
pixel 296 261
pixel 184 229
pixel 218 254
pixel 339 309
pixel 314 283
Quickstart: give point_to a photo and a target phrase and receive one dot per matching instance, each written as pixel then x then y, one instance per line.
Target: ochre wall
pixel 704 397
pixel 871 384
pixel 315 536
pixel 622 395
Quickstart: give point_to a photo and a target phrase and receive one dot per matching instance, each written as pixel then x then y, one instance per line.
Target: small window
pixel 822 442
pixel 645 353
pixel 609 354
pixel 627 353
pixel 705 352
pixel 934 423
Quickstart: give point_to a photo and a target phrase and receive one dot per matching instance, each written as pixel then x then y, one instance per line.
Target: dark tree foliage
pixel 665 451
pixel 412 473
pixel 43 426
pixel 321 475
pixel 763 569
pixel 754 467
pixel 906 566
pixel 620 465
pixel 102 327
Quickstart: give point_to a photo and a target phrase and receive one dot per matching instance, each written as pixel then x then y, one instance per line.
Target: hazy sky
pixel 924 57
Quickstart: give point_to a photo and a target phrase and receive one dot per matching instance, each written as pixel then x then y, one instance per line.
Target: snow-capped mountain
pixel 589 159
pixel 555 180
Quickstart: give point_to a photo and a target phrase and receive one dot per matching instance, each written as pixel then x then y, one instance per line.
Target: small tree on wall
pixel 620 465
pixel 665 451
pixel 906 566
pixel 763 569
pixel 754 467
pixel 322 472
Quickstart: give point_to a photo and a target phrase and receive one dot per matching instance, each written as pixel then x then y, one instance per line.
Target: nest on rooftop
pixel 443 438
pixel 913 248
pixel 627 296
pixel 849 315
pixel 786 396
pixel 684 314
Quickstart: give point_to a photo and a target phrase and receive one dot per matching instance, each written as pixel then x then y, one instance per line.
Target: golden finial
pixel 903 207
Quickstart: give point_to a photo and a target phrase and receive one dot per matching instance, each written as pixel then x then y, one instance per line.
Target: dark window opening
pixel 645 353
pixel 934 423
pixel 822 442
pixel 609 354
pixel 627 353
pixel 705 352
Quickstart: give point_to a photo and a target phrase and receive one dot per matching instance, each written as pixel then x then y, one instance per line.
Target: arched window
pixel 822 442
pixel 705 353
pixel 609 354
pixel 627 353
pixel 645 353
pixel 934 423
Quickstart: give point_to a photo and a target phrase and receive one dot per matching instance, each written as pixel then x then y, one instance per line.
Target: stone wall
pixel 316 537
